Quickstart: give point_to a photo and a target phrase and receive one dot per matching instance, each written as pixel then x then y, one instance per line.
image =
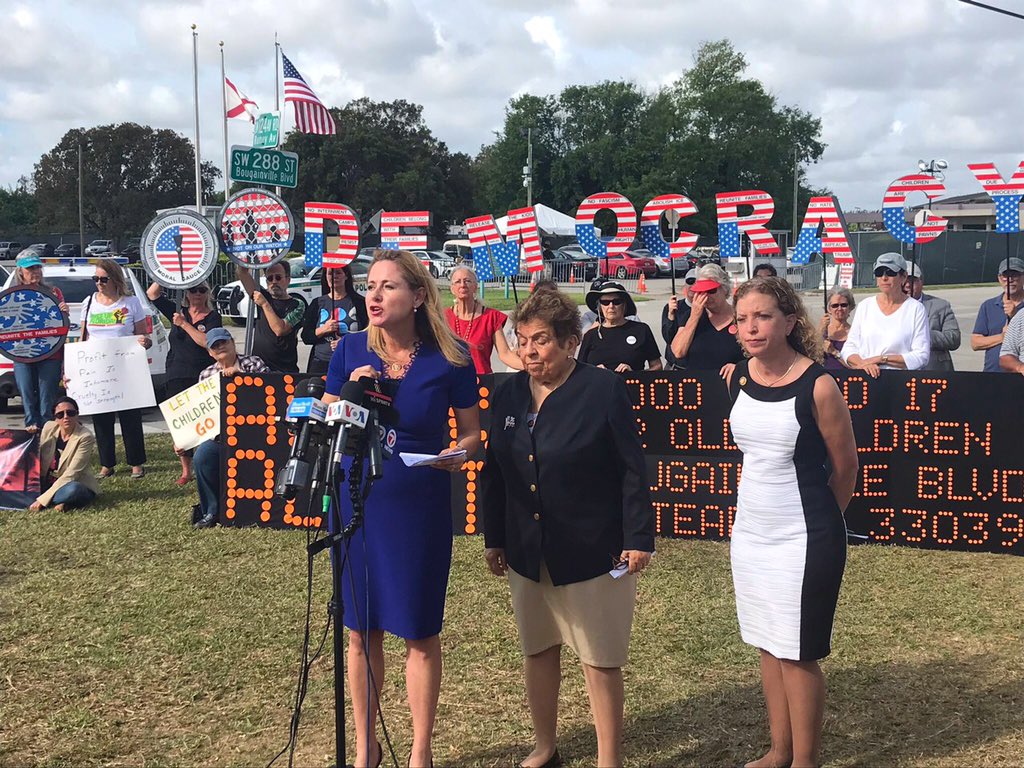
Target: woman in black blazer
pixel 566 501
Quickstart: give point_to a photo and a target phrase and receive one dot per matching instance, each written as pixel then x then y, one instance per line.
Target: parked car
pixel 233 301
pixel 75 282
pixel 99 248
pixel 43 250
pixel 459 250
pixel 570 263
pixel 626 265
pixel 68 251
pixel 131 250
pixel 9 249
pixel 682 264
pixel 439 263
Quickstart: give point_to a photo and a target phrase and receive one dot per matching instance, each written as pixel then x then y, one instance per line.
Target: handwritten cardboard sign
pixel 105 375
pixel 193 415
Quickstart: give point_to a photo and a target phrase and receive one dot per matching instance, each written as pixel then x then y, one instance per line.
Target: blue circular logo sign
pixel 32 327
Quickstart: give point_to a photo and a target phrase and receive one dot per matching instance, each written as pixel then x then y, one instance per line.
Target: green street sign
pixel 266 131
pixel 264 166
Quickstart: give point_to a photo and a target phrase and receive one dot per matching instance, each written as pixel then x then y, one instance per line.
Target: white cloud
pixel 544 32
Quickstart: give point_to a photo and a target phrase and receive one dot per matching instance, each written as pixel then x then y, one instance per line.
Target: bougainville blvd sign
pixel 264 166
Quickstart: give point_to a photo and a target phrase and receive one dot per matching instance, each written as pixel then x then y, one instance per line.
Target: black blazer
pixel 574 492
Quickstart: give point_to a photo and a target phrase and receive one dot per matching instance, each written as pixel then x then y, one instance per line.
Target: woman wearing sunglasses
pixel 187 356
pixel 891 328
pixel 66 450
pixel 110 313
pixel 616 343
pixel 835 326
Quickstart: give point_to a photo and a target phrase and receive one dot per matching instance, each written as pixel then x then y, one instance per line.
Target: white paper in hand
pixel 426 459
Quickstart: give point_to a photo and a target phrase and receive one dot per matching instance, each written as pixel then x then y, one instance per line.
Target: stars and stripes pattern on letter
pixel 167 248
pixel 824 213
pixel 731 224
pixel 625 216
pixel 894 213
pixel 522 226
pixel 391 224
pixel 311 116
pixel 348 235
pixel 487 242
pixel 650 226
pixel 1006 196
pixel 239 105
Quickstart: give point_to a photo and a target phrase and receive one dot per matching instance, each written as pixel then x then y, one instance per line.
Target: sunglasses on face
pixel 691 280
pixel 65 414
pixel 839 306
pixel 275 278
pixel 612 302
pixel 100 280
pixel 885 272
pixel 1011 275
pixel 198 289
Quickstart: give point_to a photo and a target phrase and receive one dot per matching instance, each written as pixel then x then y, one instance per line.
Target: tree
pixel 129 172
pixel 17 209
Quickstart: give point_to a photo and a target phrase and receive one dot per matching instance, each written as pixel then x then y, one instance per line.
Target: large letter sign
pixel 391 235
pixel 625 215
pixel 487 241
pixel 731 224
pixel 893 214
pixel 1006 196
pixel 650 226
pixel 348 235
pixel 824 213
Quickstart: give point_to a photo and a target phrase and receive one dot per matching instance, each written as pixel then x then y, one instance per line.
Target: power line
pixel 993 8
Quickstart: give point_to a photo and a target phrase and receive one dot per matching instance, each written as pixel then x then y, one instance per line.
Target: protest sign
pixel 105 375
pixel 19 468
pixel 179 249
pixel 193 415
pixel 32 326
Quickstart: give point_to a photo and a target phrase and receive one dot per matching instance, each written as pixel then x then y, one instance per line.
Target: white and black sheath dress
pixel 788 546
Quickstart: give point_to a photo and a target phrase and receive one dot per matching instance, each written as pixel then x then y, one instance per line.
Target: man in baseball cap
pixel 996 313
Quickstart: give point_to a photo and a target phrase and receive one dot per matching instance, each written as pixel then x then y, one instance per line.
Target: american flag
pixel 650 226
pixel 730 224
pixel 239 105
pixel 167 248
pixel 348 235
pixel 625 216
pixel 1006 196
pixel 391 235
pixel 311 116
pixel 894 213
pixel 835 240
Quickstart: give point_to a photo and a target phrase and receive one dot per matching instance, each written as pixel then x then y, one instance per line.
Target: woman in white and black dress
pixel 788 546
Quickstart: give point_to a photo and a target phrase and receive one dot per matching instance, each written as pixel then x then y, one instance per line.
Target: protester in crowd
pixel 835 326
pixel 1011 351
pixel 396 575
pixel 227 362
pixel 890 330
pixel 66 451
pixel 618 344
pixel 479 326
pixel 37 381
pixel 187 356
pixel 765 270
pixel 339 310
pixel 943 329
pixel 996 313
pixel 110 313
pixel 278 318
pixel 788 546
pixel 674 316
pixel 707 340
pixel 583 457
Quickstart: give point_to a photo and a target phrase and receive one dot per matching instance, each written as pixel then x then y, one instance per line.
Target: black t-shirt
pixel 319 313
pixel 280 353
pixel 631 343
pixel 186 359
pixel 669 328
pixel 712 348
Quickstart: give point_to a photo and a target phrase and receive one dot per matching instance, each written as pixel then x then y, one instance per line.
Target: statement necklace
pixel 796 357
pixel 469 325
pixel 395 370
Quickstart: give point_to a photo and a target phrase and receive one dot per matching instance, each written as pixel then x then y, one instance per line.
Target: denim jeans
pixel 37 385
pixel 207 468
pixel 73 495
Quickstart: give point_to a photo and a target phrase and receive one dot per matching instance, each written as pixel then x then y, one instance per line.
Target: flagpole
pixel 195 98
pixel 277 95
pixel 224 105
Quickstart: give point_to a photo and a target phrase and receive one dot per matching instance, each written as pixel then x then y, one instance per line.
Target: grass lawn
pixel 129 639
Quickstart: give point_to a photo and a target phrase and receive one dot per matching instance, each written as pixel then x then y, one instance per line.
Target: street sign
pixel 267 131
pixel 252 165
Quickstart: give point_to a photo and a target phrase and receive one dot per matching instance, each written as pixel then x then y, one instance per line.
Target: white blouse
pixel 904 332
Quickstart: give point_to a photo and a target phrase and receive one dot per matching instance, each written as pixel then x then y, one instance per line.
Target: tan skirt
pixel 592 617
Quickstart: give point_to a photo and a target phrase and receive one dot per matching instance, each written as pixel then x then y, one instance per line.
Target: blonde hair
pixel 116 275
pixel 803 338
pixel 208 296
pixel 429 319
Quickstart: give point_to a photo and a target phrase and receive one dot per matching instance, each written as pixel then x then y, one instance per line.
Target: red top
pixel 478 333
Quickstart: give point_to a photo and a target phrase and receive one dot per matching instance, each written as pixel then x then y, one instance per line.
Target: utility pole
pixel 528 168
pixel 796 190
pixel 81 215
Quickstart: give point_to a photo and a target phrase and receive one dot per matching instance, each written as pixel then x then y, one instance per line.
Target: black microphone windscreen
pixel 312 386
pixel 352 391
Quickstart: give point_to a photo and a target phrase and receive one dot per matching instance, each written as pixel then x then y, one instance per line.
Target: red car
pixel 627 264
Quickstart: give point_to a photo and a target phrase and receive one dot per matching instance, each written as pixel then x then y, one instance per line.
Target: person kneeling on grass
pixel 206 461
pixel 66 451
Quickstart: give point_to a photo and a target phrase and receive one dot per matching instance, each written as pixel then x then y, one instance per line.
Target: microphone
pixel 381 405
pixel 350 417
pixel 309 412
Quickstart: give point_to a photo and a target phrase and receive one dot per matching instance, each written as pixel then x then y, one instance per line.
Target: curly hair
pixel 803 338
pixel 549 305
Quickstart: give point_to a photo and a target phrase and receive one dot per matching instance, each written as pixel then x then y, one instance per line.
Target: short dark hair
pixel 283 265
pixel 69 400
pixel 772 272
pixel 549 305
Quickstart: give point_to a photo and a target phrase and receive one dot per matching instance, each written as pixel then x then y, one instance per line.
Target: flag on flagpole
pixel 311 116
pixel 239 105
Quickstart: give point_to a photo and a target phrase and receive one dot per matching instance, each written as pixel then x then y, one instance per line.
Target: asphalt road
pixel 965 303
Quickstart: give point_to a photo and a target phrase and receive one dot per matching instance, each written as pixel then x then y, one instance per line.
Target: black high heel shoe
pixel 554 761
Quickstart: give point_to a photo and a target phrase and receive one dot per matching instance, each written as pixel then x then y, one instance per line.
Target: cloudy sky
pixel 893 80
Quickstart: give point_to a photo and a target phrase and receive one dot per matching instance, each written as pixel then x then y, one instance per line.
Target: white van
pixel 459 250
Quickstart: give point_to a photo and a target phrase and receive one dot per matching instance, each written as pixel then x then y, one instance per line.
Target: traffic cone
pixel 572 276
pixel 641 285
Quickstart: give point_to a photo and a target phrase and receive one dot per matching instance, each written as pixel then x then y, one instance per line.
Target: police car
pixel 74 279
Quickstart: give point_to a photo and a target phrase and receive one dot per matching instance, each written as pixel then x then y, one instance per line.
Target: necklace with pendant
pixel 773 383
pixel 396 370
